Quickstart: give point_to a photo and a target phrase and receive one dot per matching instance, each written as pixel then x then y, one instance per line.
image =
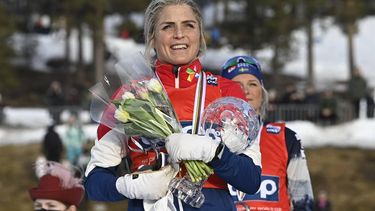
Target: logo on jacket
pixel 268 191
pixel 212 80
pixel 273 129
pixel 210 132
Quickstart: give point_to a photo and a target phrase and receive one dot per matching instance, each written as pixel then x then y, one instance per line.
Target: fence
pixel 279 112
pixel 308 112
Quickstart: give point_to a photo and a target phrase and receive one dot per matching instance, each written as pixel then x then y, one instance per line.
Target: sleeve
pixel 106 155
pixel 100 185
pixel 108 151
pixel 299 183
pixel 240 171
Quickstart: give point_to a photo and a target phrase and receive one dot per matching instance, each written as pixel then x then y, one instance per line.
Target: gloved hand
pixel 150 185
pixel 182 146
pixel 233 138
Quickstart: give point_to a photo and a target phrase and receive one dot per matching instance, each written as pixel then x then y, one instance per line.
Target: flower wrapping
pixel 132 100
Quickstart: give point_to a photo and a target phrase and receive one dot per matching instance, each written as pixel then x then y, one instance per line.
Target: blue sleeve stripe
pixel 100 185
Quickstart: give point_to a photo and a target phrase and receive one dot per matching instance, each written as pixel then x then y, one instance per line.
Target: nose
pixel 246 90
pixel 178 34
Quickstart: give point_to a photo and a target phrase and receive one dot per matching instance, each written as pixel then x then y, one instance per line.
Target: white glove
pixel 182 146
pixel 149 185
pixel 233 138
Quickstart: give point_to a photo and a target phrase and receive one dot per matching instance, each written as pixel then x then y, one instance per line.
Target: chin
pixel 182 61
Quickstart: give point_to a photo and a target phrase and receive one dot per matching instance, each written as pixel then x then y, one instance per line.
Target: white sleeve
pixel 108 151
pixel 299 183
pixel 253 151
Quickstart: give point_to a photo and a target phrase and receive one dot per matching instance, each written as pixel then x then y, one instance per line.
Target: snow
pixel 28 125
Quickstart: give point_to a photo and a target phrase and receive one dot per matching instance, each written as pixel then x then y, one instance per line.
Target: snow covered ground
pixel 28 125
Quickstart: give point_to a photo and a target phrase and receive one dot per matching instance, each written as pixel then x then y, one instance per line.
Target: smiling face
pixel 177 35
pixel 252 89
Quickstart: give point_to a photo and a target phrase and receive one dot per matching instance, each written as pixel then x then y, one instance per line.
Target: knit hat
pixel 242 65
pixel 58 184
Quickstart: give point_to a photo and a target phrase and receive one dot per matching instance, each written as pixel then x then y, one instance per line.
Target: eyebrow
pixel 252 80
pixel 187 21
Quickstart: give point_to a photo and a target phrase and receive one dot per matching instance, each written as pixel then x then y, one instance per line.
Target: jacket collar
pixel 186 73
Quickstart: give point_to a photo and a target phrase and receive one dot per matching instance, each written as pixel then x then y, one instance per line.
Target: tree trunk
pixel 67 64
pixel 99 45
pixel 80 74
pixel 275 67
pixel 310 53
pixel 67 43
pixel 351 29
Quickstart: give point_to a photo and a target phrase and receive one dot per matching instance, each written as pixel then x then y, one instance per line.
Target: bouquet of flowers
pixel 132 100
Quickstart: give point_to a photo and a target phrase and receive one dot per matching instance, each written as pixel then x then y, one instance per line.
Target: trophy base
pixel 187 191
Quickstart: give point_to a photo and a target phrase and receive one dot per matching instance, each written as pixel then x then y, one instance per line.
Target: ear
pixel 72 208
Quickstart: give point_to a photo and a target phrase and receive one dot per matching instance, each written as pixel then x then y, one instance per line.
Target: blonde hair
pixel 264 104
pixel 152 16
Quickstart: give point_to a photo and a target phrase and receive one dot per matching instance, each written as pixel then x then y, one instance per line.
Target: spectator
pixel 328 108
pixel 55 99
pixel 370 103
pixel 357 88
pixel 74 139
pixel 2 115
pixel 57 190
pixel 311 99
pixel 311 96
pixel 52 146
pixel 291 95
pixel 323 203
pixel 284 165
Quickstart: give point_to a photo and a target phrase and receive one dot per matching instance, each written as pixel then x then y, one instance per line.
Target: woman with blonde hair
pixel 174 41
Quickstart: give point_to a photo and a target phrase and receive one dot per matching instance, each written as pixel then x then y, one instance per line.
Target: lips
pixel 179 47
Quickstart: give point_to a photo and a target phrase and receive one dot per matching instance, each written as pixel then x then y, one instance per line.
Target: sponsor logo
pixel 231 69
pixel 211 132
pixel 212 80
pixel 273 129
pixel 268 191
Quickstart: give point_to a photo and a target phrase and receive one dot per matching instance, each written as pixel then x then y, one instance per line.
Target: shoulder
pixel 291 134
pixel 292 140
pixel 293 143
pixel 227 87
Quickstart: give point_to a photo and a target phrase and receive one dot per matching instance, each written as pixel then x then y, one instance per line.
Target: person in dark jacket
pixel 357 89
pixel 55 100
pixel 52 146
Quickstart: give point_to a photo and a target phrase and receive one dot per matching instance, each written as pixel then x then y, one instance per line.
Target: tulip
pixel 122 115
pixel 128 95
pixel 154 85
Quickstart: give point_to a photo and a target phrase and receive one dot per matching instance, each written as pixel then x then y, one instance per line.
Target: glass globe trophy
pixel 233 112
pixel 224 111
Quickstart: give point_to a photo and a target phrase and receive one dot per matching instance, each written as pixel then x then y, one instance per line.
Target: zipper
pixel 176 72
